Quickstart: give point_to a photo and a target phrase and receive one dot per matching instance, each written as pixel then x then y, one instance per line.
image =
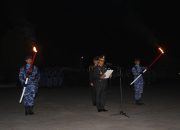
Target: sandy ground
pixel 70 108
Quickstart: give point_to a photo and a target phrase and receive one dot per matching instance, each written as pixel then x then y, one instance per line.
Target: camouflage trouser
pixel 29 96
pixel 138 90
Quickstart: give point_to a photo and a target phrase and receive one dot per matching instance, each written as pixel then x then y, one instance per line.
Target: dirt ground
pixel 70 108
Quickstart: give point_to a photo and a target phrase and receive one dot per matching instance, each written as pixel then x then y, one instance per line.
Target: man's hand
pixel 141 73
pixel 145 68
pixel 24 85
pixel 110 76
pixel 103 76
pixel 91 84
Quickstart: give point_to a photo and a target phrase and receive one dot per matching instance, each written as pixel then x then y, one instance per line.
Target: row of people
pixel 98 82
pixel 52 77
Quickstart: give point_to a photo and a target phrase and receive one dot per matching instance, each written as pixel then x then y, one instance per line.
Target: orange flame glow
pixel 34 49
pixel 161 50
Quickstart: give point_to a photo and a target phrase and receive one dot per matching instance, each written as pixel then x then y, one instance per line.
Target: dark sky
pixel 68 29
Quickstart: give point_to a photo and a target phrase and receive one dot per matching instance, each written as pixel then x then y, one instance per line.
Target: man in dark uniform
pixel 100 84
pixel 91 79
pixel 137 69
pixel 31 86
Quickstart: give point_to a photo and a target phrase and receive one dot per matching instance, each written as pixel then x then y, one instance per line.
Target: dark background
pixel 67 30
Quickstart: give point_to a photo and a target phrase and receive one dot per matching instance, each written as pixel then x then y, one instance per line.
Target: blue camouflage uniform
pixel 139 84
pixel 32 85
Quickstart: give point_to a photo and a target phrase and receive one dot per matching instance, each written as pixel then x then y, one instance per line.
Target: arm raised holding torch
pixel 157 58
pixel 29 77
pixel 138 82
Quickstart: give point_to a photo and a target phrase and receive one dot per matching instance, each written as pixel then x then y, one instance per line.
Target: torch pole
pixel 138 77
pixel 27 76
pixel 154 61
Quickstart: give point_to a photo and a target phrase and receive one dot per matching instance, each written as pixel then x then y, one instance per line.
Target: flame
pixel 161 50
pixel 34 49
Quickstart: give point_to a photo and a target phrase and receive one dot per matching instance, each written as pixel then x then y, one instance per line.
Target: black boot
pixel 94 104
pixel 31 110
pixel 139 102
pixel 104 110
pixel 100 110
pixel 26 110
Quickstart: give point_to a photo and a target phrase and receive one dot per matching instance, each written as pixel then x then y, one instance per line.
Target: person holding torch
pixel 138 72
pixel 29 77
pixel 137 69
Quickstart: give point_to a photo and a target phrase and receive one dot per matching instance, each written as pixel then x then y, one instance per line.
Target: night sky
pixel 68 29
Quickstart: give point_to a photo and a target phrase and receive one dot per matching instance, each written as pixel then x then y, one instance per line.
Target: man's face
pixel 101 62
pixel 137 62
pixel 29 61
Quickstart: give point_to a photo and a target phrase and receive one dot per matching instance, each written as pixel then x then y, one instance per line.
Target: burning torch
pixel 154 61
pixel 28 73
